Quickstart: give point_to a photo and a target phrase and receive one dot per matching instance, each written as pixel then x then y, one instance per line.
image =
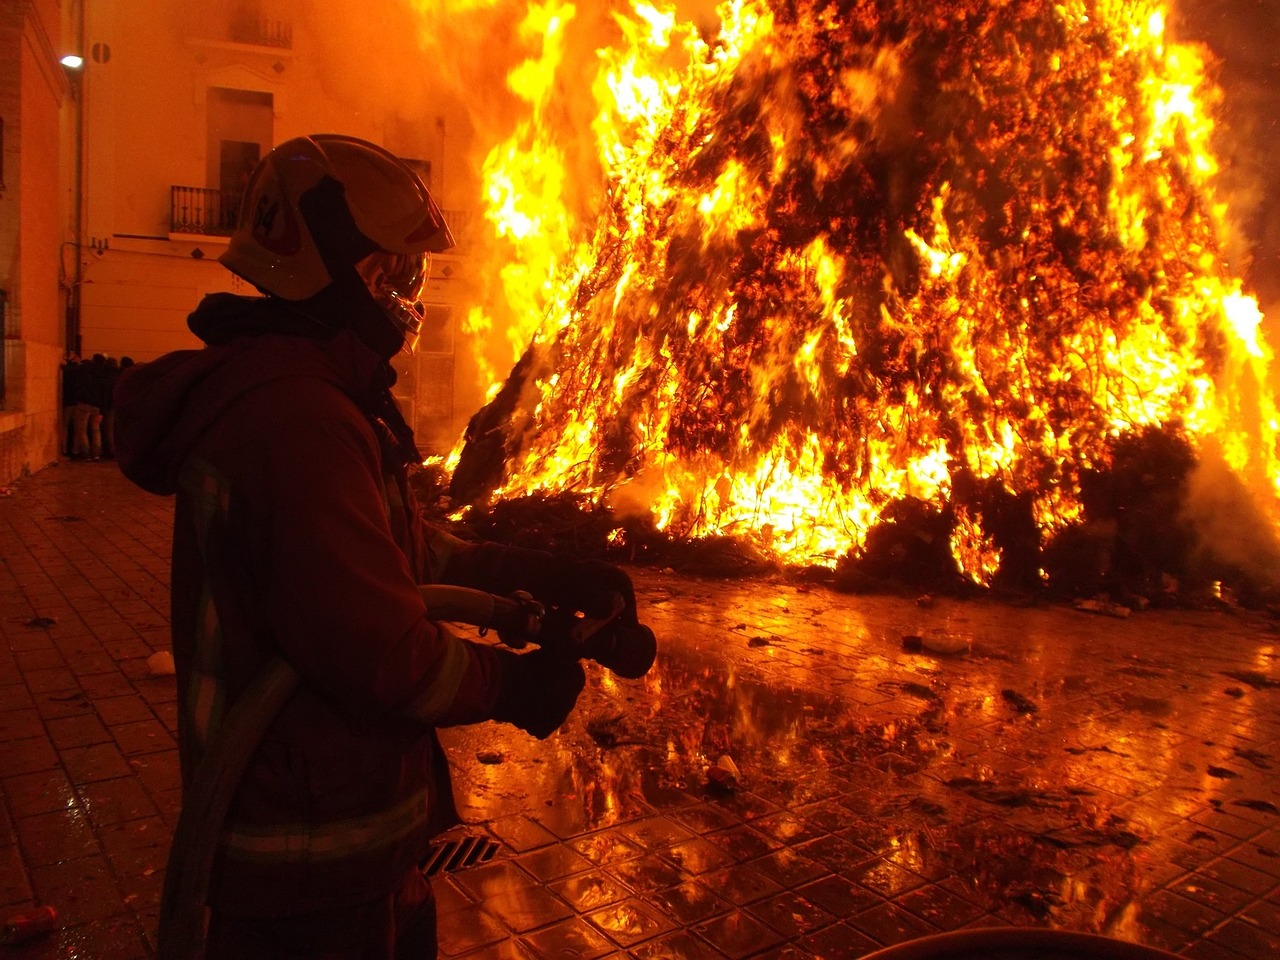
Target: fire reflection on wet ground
pixel 1056 768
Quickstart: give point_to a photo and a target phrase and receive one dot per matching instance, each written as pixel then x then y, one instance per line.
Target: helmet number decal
pixel 275 227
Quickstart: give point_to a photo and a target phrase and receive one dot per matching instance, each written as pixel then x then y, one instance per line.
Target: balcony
pixel 202 211
pixel 243 27
pixel 208 212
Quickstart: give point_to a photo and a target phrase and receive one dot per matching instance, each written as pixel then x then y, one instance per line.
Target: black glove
pixel 537 690
pixel 590 586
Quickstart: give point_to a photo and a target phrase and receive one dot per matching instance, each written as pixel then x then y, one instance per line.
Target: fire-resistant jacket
pixel 295 535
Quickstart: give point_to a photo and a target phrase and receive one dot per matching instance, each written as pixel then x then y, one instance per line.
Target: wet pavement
pixel 801 775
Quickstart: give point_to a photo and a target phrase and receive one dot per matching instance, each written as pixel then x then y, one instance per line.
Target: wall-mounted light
pixel 72 61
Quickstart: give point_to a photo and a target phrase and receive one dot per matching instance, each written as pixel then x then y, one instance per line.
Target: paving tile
pixel 80 890
pixel 159 772
pixel 647 874
pixel 29 756
pixel 605 847
pixel 115 938
pixel 849 833
pixel 78 731
pixel 1237 874
pixel 136 848
pixel 629 922
pixel 492 878
pixel 696 856
pixel 682 944
pixel 469 929
pixel 128 708
pixel 552 863
pixel 737 934
pixel 572 939
pixel 889 924
pixel 14 886
pixel 741 884
pixel 69 703
pixel 790 914
pixel 520 833
pixel 838 942
pixel 689 902
pixel 587 892
pixel 655 833
pixel 48 658
pixel 143 736
pixel 1181 912
pixel 51 680
pixel 101 761
pixel 49 838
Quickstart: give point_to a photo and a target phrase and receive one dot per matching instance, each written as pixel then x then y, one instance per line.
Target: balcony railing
pixel 247 26
pixel 203 211
pixel 207 212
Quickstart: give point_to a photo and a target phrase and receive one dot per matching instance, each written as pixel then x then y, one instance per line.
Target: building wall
pixel 33 87
pixel 148 75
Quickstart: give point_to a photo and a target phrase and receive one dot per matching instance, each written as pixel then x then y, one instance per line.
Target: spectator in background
pixel 71 380
pixel 93 389
pixel 106 406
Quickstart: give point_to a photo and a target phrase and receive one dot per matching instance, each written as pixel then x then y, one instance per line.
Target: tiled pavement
pixel 1069 770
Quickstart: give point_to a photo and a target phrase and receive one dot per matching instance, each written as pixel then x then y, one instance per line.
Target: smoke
pixel 1236 536
pixel 1244 38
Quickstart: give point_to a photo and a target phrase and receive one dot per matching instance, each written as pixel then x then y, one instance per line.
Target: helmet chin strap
pixel 346 302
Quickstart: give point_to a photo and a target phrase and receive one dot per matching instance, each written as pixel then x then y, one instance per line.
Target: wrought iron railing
pixel 261 32
pixel 250 25
pixel 203 211
pixel 212 213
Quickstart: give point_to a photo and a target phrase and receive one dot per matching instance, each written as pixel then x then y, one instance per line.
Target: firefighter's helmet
pixel 319 209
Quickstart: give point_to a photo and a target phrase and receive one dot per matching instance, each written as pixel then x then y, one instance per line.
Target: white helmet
pixel 319 208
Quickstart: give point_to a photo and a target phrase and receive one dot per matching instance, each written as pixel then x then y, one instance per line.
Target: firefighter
pixel 296 537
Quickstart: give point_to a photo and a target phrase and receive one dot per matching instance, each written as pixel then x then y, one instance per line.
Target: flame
pixel 843 256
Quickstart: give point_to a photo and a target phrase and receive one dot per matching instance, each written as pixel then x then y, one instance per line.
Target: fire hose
pixel 628 649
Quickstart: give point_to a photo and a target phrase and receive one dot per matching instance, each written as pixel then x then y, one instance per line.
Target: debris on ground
pixel 725 774
pixel 1256 757
pixel 1020 703
pixel 22 927
pixel 937 642
pixel 160 664
pixel 1254 678
pixel 1103 606
pixel 605 730
pixel 44 622
pixel 1263 806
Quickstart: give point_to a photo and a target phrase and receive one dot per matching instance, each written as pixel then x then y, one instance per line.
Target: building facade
pixel 122 178
pixel 34 95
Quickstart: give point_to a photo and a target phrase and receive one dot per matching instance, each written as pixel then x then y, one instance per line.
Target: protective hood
pixel 164 407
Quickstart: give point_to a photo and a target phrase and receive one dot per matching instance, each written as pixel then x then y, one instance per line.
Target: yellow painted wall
pixel 147 129
pixel 32 89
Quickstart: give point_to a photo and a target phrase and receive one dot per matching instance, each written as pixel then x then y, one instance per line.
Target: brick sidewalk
pixel 1072 771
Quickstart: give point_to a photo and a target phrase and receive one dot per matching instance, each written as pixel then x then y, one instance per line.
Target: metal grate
pixel 450 856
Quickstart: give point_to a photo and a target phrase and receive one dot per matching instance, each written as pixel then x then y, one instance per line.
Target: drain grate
pixel 450 856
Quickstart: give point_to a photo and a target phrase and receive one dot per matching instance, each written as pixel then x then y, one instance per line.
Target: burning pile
pixel 869 273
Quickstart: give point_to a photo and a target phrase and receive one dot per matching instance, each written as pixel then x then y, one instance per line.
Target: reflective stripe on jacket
pixel 296 534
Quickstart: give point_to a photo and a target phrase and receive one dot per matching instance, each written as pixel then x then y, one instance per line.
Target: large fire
pixel 851 253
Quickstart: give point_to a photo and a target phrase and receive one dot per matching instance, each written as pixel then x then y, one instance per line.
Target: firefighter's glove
pixel 592 586
pixel 537 690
